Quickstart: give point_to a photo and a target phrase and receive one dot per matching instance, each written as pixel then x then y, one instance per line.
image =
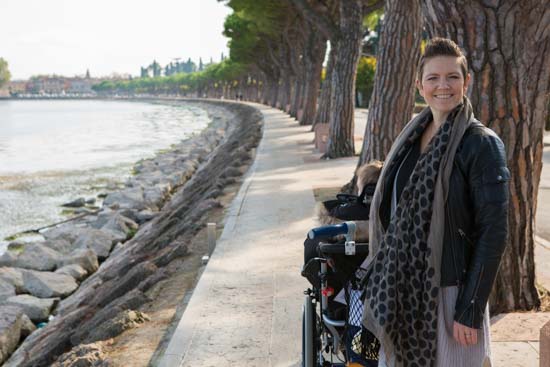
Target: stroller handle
pixel 346 228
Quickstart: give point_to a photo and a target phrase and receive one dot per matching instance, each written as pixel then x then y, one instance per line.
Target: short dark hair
pixel 442 47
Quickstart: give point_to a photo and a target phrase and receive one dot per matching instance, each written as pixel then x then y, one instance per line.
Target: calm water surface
pixel 54 151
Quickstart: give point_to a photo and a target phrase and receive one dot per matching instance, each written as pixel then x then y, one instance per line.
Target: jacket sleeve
pixel 488 179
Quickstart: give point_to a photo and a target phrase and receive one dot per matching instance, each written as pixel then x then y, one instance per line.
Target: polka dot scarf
pixel 401 294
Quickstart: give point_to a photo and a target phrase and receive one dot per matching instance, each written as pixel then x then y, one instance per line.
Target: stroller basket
pixel 362 344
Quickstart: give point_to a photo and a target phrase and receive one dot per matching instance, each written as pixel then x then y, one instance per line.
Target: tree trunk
pixel 296 66
pixel 347 52
pixel 392 101
pixel 273 91
pixel 265 90
pixel 507 49
pixel 284 96
pixel 323 112
pixel 295 98
pixel 314 55
pixel 296 103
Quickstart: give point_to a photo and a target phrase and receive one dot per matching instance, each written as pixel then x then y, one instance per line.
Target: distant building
pixel 16 87
pixel 47 85
pixel 58 85
pixel 79 86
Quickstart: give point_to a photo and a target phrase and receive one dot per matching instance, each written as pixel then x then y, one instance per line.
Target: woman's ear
pixel 466 82
pixel 419 87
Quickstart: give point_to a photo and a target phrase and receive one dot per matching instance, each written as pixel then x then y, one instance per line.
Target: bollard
pixel 544 345
pixel 211 237
pixel 211 241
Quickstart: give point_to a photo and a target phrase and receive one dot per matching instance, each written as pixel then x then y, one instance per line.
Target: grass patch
pixel 67 212
pixel 131 233
pixel 16 248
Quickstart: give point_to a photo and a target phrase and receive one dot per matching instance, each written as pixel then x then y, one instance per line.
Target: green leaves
pixel 4 72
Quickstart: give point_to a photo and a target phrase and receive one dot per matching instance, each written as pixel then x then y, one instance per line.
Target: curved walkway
pixel 246 308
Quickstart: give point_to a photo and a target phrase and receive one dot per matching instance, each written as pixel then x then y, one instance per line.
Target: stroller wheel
pixel 309 334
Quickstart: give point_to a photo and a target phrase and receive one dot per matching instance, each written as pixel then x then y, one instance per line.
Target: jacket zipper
pixel 452 246
pixel 474 296
pixel 465 237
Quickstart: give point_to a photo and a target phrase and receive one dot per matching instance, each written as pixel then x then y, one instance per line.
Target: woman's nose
pixel 444 84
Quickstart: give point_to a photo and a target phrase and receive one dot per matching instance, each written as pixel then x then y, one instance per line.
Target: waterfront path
pixel 246 307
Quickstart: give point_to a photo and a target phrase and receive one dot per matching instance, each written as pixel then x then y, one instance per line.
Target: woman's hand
pixel 464 335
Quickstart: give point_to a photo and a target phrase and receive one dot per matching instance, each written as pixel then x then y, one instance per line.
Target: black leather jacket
pixel 476 223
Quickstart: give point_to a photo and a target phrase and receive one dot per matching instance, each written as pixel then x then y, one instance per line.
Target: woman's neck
pixel 439 118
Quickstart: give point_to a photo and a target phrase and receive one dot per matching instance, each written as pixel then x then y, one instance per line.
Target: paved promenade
pixel 246 308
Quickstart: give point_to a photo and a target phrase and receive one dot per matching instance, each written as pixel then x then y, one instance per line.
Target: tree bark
pixel 323 111
pixel 265 90
pixel 273 91
pixel 314 55
pixel 347 52
pixel 392 101
pixel 296 66
pixel 507 45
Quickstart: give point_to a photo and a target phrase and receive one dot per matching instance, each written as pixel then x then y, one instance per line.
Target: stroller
pixel 332 334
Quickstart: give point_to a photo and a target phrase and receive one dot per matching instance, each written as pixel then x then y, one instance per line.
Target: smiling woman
pixel 443 83
pixel 441 227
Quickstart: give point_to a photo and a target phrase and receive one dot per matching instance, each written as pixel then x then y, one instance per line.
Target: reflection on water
pixel 54 151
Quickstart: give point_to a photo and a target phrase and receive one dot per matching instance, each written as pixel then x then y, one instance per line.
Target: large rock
pixel 155 196
pixel 86 355
pixel 40 348
pixel 149 178
pixel 86 258
pixel 7 290
pixel 96 240
pixel 116 225
pixel 144 216
pixel 47 285
pixel 60 245
pixel 11 322
pixel 129 198
pixel 37 309
pixel 99 241
pixel 27 326
pixel 177 179
pixel 31 256
pixel 75 203
pixel 74 270
pixel 68 232
pixel 125 320
pixel 14 277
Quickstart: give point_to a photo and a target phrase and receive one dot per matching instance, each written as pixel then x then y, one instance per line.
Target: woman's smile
pixel 443 85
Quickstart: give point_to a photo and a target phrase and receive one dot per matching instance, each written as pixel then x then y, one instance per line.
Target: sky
pixel 67 37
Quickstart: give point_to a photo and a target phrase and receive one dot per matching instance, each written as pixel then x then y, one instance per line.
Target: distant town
pixel 55 86
pixel 58 86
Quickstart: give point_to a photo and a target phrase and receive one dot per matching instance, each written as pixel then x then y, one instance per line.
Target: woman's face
pixel 442 85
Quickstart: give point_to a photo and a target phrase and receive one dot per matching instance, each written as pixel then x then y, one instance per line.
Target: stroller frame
pixel 322 335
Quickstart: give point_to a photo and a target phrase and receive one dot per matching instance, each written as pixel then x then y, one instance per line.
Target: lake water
pixel 55 151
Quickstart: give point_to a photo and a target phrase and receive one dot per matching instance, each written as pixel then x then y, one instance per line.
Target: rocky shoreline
pixel 89 276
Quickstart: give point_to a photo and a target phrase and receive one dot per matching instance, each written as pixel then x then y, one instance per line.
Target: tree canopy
pixel 4 72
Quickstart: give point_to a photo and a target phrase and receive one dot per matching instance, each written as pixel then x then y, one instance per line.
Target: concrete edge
pixel 180 342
